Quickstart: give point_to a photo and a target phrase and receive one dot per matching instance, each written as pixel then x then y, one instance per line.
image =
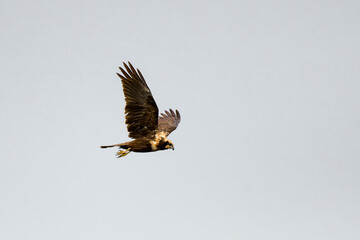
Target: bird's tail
pixel 121 145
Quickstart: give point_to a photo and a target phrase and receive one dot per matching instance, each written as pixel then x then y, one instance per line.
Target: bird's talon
pixel 122 153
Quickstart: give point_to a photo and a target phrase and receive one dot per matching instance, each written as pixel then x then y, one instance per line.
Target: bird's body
pixel 146 144
pixel 145 126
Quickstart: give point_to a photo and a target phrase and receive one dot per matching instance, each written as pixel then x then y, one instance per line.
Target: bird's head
pixel 169 145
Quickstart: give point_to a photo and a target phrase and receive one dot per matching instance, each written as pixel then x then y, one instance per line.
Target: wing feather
pixel 141 109
pixel 169 121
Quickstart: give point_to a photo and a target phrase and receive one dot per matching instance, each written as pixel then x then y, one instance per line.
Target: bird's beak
pixel 173 148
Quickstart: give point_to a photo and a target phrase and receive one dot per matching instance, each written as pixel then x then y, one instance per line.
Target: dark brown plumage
pixel 144 125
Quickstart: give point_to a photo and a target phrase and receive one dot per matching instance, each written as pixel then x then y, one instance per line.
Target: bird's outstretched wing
pixel 141 109
pixel 168 121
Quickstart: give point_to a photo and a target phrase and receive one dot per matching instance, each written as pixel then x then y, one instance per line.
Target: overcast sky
pixel 268 146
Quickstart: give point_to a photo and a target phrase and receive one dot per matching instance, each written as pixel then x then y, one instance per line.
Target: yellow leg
pixel 122 153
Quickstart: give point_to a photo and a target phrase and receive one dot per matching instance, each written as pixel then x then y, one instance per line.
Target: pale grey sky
pixel 268 146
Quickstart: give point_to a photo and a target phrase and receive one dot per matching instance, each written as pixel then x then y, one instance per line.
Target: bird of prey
pixel 145 126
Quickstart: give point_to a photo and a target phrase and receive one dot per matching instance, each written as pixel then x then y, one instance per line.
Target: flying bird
pixel 145 126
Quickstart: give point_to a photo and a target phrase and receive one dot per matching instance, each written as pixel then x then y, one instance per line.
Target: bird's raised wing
pixel 141 109
pixel 169 121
